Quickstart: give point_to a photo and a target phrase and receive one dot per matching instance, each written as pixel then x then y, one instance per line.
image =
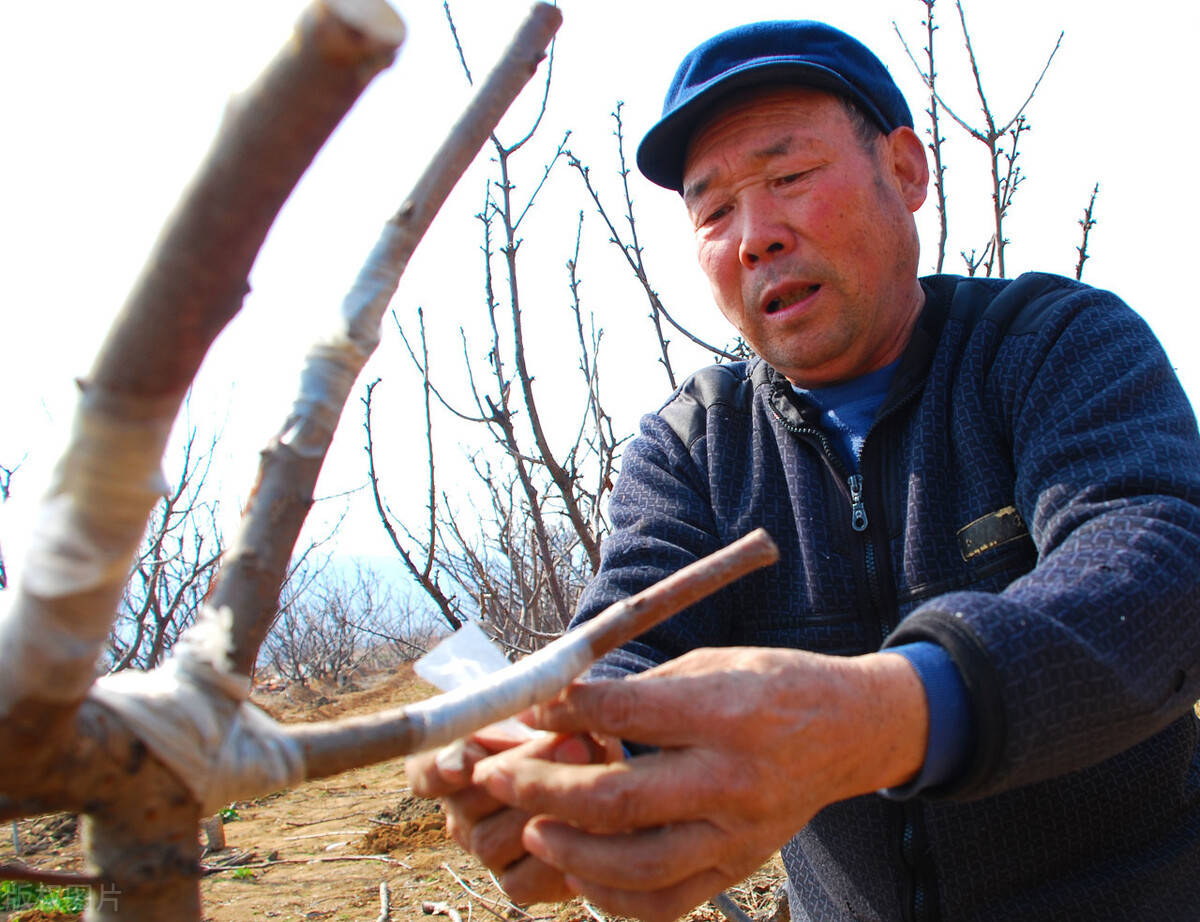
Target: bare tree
pixel 333 619
pixel 520 565
pixel 1006 174
pixel 515 552
pixel 174 567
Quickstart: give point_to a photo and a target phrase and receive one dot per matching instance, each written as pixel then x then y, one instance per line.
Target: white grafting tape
pixel 89 524
pixel 193 714
pixel 462 659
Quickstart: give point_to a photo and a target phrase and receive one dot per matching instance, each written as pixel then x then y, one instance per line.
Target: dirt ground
pixel 322 850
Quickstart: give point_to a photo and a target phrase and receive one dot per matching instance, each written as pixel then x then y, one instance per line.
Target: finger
pixel 483 825
pixel 531 880
pixel 496 840
pixel 465 809
pixel 448 770
pixel 652 906
pixel 650 790
pixel 646 710
pixel 645 860
pixel 443 771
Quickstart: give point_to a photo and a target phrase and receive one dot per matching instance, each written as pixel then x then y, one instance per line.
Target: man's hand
pixel 488 828
pixel 753 742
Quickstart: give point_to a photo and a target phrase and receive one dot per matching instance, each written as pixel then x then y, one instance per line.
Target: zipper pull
pixel 858 512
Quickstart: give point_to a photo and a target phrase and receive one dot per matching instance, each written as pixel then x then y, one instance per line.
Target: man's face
pixel 806 233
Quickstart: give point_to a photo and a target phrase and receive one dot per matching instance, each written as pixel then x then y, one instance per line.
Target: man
pixel 966 690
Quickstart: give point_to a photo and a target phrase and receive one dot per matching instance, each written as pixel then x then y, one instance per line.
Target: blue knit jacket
pixel 1030 500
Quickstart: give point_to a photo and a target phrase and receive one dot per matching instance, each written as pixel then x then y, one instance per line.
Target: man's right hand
pixel 483 825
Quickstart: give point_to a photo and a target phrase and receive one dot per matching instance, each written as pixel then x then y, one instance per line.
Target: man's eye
pixel 789 178
pixel 717 214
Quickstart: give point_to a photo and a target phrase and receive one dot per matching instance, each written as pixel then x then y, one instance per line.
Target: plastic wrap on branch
pixel 193 714
pixel 340 745
pixel 87 529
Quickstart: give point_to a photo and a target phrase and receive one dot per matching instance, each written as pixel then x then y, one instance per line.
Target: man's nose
pixel 765 232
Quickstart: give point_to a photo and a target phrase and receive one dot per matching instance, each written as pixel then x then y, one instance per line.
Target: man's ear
pixel 909 166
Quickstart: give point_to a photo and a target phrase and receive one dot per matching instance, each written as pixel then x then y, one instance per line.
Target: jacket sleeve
pixel 662 520
pixel 1098 647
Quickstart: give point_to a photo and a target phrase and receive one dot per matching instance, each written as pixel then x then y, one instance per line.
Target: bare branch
pixel 337 746
pixel 446 605
pixel 17 871
pixel 1021 111
pixel 929 76
pixel 420 366
pixel 633 256
pixel 1087 222
pixel 254 569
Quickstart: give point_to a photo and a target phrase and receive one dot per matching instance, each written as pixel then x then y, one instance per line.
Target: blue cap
pixel 788 52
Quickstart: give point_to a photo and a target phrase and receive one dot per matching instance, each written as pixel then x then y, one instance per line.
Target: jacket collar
pixel 915 361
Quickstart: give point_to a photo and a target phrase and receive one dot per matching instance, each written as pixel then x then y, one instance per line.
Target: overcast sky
pixel 109 107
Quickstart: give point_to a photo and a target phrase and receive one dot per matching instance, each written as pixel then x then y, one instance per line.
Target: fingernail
pixel 451 760
pixel 495 781
pixel 572 751
pixel 534 842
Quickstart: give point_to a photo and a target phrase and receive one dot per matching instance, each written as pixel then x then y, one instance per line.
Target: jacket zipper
pixel 918 908
pixel 858 511
pixel 911 835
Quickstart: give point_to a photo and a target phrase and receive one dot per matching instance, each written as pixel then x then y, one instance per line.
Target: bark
pixel 55 751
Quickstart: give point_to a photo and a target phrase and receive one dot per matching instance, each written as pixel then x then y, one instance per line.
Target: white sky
pixel 109 107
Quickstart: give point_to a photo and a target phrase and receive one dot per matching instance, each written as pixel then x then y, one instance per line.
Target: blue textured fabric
pixel 849 408
pixel 1038 401
pixel 951 731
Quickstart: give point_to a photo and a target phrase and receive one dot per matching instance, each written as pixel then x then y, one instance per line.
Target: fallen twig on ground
pixel 23 872
pixel 490 904
pixel 386 859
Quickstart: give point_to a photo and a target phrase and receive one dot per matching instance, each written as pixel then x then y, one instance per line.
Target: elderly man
pixel 966 690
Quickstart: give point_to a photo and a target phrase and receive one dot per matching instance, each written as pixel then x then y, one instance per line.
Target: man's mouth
pixel 777 304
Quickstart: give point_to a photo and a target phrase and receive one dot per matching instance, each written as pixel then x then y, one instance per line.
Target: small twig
pixel 376 822
pixel 328 819
pixel 322 835
pixel 591 910
pixel 1087 222
pixel 441 909
pixel 385 903
pixel 484 901
pixel 729 909
pixel 386 859
pixel 23 872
